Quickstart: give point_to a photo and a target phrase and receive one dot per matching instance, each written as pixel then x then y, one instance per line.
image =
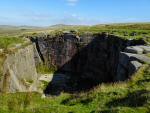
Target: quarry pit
pixel 79 63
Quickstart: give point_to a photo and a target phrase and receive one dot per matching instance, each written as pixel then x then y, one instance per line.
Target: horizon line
pixel 109 23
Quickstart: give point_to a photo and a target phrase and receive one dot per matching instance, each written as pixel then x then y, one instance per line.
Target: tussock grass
pixel 6 42
pixel 44 69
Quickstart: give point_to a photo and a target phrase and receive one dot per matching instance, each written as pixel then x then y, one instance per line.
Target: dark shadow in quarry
pixel 93 61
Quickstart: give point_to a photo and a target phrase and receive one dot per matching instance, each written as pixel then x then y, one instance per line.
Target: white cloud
pixel 72 2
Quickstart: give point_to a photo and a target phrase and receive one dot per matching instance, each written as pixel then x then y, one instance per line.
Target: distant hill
pixel 17 30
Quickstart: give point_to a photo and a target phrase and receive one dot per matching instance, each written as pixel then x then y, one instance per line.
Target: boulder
pixel 134 49
pixel 126 57
pixel 46 77
pixel 146 49
pixel 133 67
pixel 129 64
pixel 140 58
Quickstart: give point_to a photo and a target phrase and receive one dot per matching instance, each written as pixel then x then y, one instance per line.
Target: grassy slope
pixel 123 30
pixel 7 42
pixel 141 30
pixel 16 30
pixel 127 97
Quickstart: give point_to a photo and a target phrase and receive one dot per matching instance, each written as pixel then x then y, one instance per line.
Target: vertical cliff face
pixel 19 71
pixel 57 51
pixel 87 60
pixel 86 55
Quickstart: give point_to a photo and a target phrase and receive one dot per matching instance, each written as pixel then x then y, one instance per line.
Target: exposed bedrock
pixel 19 71
pixel 131 60
pixel 86 61
pixel 82 63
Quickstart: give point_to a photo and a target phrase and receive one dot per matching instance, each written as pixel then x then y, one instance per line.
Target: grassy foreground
pixel 132 96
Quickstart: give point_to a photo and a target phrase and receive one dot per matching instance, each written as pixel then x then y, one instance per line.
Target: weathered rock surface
pixel 19 71
pixel 85 61
pixel 89 60
pixel 131 60
pixel 146 49
pixel 133 67
pixel 46 77
pixel 141 58
pixel 43 81
pixel 88 57
pixel 138 49
pixel 134 49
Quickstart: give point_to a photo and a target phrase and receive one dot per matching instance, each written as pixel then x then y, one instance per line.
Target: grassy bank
pixel 7 42
pixel 44 69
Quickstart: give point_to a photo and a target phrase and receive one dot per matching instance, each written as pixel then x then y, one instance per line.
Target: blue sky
pixel 75 12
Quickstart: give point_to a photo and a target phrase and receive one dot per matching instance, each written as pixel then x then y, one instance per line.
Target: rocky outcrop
pixel 88 60
pixel 19 71
pixel 134 49
pixel 56 51
pixel 138 49
pixel 131 60
pixel 85 61
pixel 69 53
pixel 81 63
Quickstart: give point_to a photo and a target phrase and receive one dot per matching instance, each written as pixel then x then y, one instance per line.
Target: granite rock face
pixel 19 71
pixel 56 51
pixel 146 49
pixel 134 49
pixel 91 59
pixel 87 61
pixel 140 49
pixel 87 52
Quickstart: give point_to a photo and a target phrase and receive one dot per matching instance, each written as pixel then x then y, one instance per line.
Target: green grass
pixel 124 30
pixel 16 30
pixel 7 42
pixel 44 69
pixel 132 96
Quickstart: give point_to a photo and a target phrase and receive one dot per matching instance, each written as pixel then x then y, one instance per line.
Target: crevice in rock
pixel 35 40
